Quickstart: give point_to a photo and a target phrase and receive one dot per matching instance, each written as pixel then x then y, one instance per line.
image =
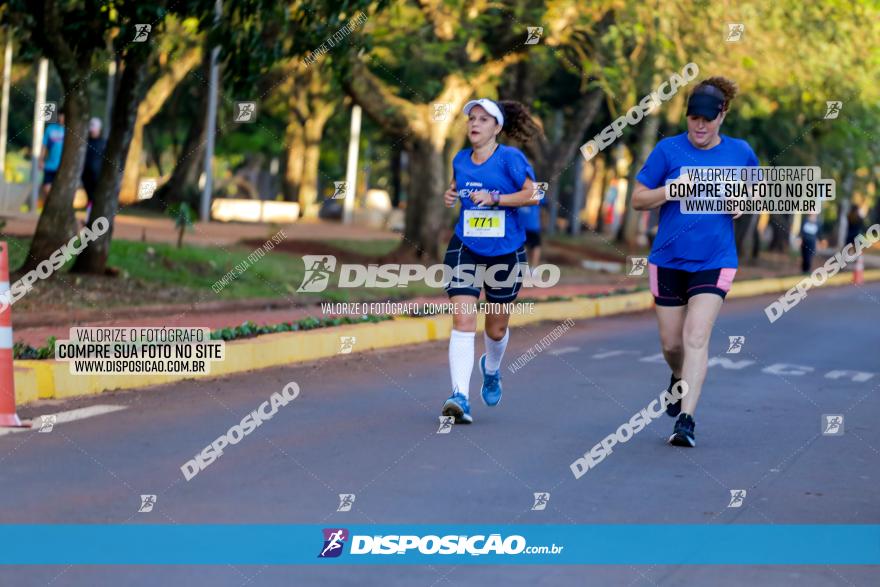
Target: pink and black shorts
pixel 674 287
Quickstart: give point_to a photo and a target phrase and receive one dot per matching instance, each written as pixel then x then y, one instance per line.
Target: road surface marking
pixel 564 350
pixel 68 416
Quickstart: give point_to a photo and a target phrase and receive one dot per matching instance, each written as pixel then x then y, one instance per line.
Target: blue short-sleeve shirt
pixel 53 143
pixel 502 173
pixel 530 217
pixel 693 242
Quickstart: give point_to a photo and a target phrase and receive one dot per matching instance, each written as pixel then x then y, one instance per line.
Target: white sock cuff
pixel 462 334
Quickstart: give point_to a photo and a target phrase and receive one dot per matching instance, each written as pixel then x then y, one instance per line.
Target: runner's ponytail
pixel 518 122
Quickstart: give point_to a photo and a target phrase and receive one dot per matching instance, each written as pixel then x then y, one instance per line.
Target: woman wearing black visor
pixel 693 259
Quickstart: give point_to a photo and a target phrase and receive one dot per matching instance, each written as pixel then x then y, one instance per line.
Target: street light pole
pixel 4 104
pixel 351 167
pixel 37 140
pixel 205 207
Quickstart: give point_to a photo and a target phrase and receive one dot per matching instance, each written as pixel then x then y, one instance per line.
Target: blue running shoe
pixel 457 406
pixel 491 390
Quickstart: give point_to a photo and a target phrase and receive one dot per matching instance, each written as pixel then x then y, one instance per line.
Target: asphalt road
pixel 366 424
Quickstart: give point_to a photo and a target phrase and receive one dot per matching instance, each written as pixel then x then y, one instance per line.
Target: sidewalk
pixel 162 230
pixel 36 329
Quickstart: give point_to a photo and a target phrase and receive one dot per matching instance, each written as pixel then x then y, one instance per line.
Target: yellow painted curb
pixel 632 302
pixel 578 309
pixel 26 385
pixel 52 379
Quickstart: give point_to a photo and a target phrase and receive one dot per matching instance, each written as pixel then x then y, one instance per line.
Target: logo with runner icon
pixel 637 266
pixel 334 541
pixel 245 112
pixel 832 424
pixel 147 503
pixel 141 32
pixel 832 109
pixel 318 271
pixel 346 344
pixel 49 112
pixel 534 35
pixel 47 423
pixel 737 496
pixel 346 500
pixel 446 423
pixel 736 344
pixel 540 190
pixel 735 32
pixel 541 501
pixel 440 111
pixel 340 188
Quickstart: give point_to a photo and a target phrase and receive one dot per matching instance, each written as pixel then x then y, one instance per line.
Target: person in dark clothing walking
pixel 94 159
pixel 809 238
pixel 855 225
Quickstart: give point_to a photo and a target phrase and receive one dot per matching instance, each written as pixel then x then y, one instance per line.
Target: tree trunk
pixel 132 172
pixel 780 227
pixel 629 227
pixel 186 171
pixel 577 201
pixel 308 189
pixel 595 192
pixel 552 196
pixel 106 203
pixel 745 235
pixel 152 103
pixel 154 151
pixel 607 174
pixel 554 174
pixel 57 224
pixel 844 198
pixel 396 175
pixel 426 214
pixel 550 160
pixel 293 168
pixel 314 128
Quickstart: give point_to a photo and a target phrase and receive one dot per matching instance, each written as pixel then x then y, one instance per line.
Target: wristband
pixel 496 198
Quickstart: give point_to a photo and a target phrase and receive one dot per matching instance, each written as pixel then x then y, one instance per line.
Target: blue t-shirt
pixel 502 173
pixel 53 142
pixel 693 242
pixel 530 216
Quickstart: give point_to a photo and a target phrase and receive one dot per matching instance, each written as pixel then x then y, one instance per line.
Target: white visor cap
pixel 489 106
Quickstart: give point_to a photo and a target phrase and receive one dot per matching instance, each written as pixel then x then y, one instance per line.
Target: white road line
pixel 65 417
pixel 564 350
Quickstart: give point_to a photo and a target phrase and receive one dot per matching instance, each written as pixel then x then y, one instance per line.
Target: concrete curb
pixel 52 379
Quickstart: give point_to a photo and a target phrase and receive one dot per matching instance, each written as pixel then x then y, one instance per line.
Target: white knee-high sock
pixel 461 360
pixel 495 351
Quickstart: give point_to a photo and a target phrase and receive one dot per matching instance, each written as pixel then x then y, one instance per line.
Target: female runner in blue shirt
pixel 693 259
pixel 490 181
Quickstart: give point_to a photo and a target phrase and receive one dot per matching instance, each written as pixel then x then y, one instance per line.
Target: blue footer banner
pixel 146 544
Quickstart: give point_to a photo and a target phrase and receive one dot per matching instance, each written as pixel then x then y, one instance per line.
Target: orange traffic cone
pixel 8 417
pixel 859 271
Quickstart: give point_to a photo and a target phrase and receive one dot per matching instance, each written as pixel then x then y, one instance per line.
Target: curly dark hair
pixel 518 122
pixel 726 86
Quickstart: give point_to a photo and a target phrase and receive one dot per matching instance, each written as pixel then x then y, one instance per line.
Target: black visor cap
pixel 705 105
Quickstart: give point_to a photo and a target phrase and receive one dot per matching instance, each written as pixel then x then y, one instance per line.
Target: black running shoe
pixel 673 409
pixel 683 435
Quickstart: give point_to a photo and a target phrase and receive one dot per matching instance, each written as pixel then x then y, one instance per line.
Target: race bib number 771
pixel 484 223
